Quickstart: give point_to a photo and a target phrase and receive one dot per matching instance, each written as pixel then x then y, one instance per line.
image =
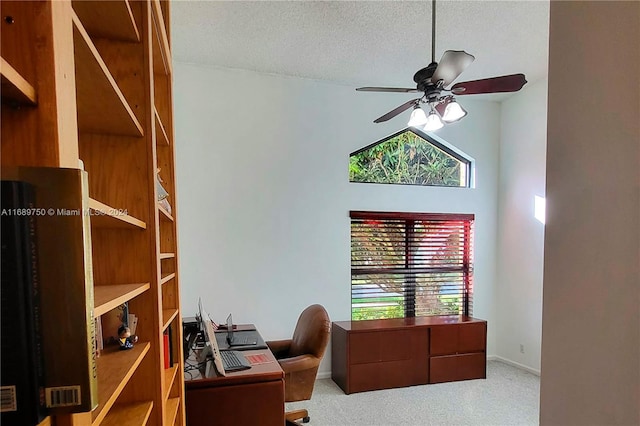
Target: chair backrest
pixel 311 335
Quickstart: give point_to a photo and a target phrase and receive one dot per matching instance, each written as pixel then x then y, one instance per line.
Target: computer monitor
pixel 210 338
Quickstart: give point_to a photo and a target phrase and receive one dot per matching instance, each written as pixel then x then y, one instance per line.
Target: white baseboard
pixel 514 364
pixel 323 375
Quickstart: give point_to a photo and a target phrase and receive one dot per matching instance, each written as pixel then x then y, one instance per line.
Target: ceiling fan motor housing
pixel 423 80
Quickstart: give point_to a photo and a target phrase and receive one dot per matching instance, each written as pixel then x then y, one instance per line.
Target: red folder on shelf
pixel 165 338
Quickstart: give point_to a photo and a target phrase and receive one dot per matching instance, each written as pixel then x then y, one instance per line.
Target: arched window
pixel 411 157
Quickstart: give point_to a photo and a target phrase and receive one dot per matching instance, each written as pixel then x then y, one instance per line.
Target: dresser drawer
pixel 451 368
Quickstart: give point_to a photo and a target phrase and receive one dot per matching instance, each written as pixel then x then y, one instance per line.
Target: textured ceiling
pixel 362 43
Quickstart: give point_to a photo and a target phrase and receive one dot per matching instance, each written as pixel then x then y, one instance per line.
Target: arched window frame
pixel 466 160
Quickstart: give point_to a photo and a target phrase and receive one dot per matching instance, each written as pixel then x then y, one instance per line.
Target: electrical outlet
pixel 521 349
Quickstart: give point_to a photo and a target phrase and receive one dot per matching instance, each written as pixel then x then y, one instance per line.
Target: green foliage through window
pixel 409 158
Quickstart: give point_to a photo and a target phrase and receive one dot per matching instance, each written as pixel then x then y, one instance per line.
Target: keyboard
pixel 242 341
pixel 233 361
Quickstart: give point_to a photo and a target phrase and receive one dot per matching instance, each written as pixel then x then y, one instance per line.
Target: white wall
pixel 520 235
pixel 264 197
pixel 591 315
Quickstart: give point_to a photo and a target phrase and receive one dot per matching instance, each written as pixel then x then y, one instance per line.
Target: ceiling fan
pixel 433 80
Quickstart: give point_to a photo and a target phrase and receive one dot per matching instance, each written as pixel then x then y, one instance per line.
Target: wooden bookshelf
pixel 90 82
pixel 15 87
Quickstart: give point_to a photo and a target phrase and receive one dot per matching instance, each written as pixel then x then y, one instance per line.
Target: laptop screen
pixel 210 336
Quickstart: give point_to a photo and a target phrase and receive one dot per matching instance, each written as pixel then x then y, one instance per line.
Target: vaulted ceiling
pixel 362 43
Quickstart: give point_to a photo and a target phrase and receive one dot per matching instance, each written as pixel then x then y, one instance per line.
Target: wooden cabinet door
pixel 380 346
pixel 472 337
pixel 444 340
pixel 458 338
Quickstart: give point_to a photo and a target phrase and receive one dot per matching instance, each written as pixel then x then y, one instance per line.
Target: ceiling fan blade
pixel 386 89
pixel 405 106
pixel 505 83
pixel 451 65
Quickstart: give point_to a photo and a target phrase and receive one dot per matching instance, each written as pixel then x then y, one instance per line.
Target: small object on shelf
pixel 162 193
pixel 165 205
pixel 126 340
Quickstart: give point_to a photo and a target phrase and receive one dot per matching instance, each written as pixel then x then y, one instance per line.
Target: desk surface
pixel 252 396
pixel 261 372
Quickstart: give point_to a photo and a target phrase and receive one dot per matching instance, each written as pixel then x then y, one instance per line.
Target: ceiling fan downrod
pixel 433 31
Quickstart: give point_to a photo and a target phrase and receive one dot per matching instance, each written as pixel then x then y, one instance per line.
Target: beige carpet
pixel 509 396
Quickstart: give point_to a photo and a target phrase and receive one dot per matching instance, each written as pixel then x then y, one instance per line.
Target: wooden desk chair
pixel 300 357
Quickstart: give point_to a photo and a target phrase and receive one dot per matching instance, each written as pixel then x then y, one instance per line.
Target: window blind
pixel 411 264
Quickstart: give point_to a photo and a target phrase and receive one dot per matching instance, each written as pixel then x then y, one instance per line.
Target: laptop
pixel 228 361
pixel 234 339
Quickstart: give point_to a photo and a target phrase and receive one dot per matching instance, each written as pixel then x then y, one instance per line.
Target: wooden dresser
pixel 390 353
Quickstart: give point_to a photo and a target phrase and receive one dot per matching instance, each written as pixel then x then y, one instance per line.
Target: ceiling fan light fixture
pixel 418 117
pixel 453 112
pixel 433 122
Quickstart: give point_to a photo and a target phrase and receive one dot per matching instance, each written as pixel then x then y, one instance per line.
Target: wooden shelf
pixel 113 20
pixel 167 278
pixel 172 410
pixel 97 92
pixel 161 48
pixel 164 214
pixel 103 216
pixel 115 368
pixel 129 414
pixel 108 297
pixel 169 377
pixel 167 316
pixel 16 88
pixel 162 138
pixel 164 256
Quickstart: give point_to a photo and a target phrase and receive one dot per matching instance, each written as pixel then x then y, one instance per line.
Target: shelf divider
pixel 136 414
pixel 172 410
pixel 104 216
pixel 162 138
pixel 165 214
pixel 167 316
pixel 169 377
pixel 115 368
pixel 113 19
pixel 97 91
pixel 161 48
pixel 164 256
pixel 15 87
pixel 167 278
pixel 108 297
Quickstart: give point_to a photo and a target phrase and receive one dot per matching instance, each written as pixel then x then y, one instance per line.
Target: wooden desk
pixel 253 396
